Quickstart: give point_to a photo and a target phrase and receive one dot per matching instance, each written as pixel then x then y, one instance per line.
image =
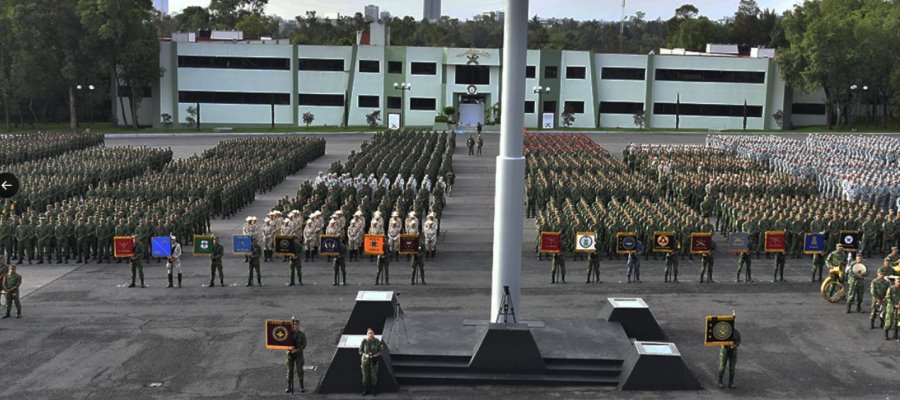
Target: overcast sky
pixel 607 10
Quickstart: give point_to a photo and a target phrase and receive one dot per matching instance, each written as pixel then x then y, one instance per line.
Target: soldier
pixel 451 179
pixel 268 232
pixel 104 232
pixel 383 263
pixel 779 267
pixel 818 263
pixel 593 267
pixel 173 262
pixel 81 237
pixel 728 355
pixel 417 265
pixel 479 142
pixel 744 261
pixel 296 266
pixel 295 358
pixel 891 309
pixel 857 283
pixel 10 282
pixel 878 289
pixel 393 234
pixel 835 258
pixel 558 268
pixel 672 263
pixel 355 234
pixel 634 263
pixel 885 268
pixel 137 263
pixel 340 266
pixel 7 232
pixel 430 230
pixel 470 143
pixel 44 231
pixel 894 257
pixel 707 262
pixel 309 237
pixel 249 229
pixel 255 252
pixel 23 236
pixel 215 263
pixel 370 350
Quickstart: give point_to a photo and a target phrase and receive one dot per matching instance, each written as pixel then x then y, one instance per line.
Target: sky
pixel 607 10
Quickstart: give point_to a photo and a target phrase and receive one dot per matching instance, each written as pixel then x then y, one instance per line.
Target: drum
pixel 858 269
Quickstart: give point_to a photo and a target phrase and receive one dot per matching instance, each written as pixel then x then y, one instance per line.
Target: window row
pixel 263 63
pixel 699 75
pixel 234 97
pixel 707 110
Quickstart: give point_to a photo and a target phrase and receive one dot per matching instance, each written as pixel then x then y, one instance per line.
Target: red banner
pixel 775 242
pixel 701 243
pixel 124 246
pixel 551 242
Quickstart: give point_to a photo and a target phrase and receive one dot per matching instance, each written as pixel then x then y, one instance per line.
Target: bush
pixel 441 118
pixel 373 119
pixel 308 118
pixel 779 118
pixel 640 118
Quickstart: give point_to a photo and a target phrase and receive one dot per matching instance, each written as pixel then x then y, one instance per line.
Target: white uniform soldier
pixel 268 234
pixel 173 262
pixel 342 223
pixel 412 223
pixel 355 234
pixel 309 239
pixel 430 230
pixel 250 229
pixel 393 233
pixel 376 226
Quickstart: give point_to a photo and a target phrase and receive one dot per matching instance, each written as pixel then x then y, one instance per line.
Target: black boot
pixel 132 283
pixel 849 305
pixel 179 279
pixel 731 384
pixel 142 282
pixel 858 306
pixel 212 283
pixel 887 334
pixel 302 389
pixel 872 323
pixel 720 384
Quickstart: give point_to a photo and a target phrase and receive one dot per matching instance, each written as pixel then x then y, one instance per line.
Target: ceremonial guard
pixel 137 263
pixel 728 356
pixel 173 262
pixel 672 264
pixel 417 265
pixel 355 234
pixel 295 265
pixel 340 266
pixel 255 251
pixel 393 234
pixel 430 231
pixel 593 269
pixel 10 282
pixel 309 238
pixel 411 226
pixel 744 264
pixel 558 268
pixel 268 233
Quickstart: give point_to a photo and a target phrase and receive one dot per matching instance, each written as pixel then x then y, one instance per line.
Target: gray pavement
pixel 85 337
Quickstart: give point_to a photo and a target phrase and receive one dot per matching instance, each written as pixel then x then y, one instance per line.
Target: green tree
pixel 225 14
pixel 256 26
pixel 192 19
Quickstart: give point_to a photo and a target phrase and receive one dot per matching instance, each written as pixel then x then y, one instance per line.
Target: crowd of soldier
pixel 29 146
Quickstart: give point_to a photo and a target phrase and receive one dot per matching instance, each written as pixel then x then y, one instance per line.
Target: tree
pixel 568 117
pixel 192 19
pixel 225 14
pixel 256 26
pixel 686 11
pixel 640 119
pixel 694 34
pixel 778 116
pixel 373 119
pixel 308 118
pixel 132 42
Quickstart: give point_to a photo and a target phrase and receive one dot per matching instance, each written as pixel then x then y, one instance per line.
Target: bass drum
pixel 832 290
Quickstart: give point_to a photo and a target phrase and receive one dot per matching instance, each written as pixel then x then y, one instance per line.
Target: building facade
pixel 242 83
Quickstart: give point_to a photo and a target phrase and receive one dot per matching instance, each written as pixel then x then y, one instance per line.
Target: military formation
pixel 732 184
pixel 19 148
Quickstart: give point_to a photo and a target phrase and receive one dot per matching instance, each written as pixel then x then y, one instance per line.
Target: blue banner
pixel 243 244
pixel 815 243
pixel 161 246
pixel 329 245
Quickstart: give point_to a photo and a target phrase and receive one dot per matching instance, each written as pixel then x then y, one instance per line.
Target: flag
pixel 814 243
pixel 284 245
pixel 775 242
pixel 242 244
pixel 203 245
pixel 161 246
pixel 123 246
pixel 279 334
pixel 586 242
pixel 739 242
pixel 409 243
pixel 374 245
pixel 701 243
pixel 626 242
pixel 329 245
pixel 550 242
pixel 663 242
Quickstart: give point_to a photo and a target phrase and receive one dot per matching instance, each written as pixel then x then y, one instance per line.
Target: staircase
pixel 451 370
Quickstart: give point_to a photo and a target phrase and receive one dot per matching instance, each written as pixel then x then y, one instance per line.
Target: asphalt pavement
pixel 85 336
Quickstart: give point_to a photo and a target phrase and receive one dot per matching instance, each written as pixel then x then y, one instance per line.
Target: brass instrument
pixel 832 289
pixel 896 267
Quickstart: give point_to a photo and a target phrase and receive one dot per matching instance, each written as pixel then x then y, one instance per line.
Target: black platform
pixel 460 350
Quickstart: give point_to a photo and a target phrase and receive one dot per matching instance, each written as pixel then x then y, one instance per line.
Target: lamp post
pixel 854 98
pixel 402 87
pixel 90 89
pixel 537 103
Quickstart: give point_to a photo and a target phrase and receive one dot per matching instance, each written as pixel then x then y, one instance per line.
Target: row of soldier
pixel 24 147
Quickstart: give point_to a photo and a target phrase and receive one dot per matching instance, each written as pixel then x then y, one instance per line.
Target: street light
pixel 402 87
pixel 538 90
pixel 854 94
pixel 90 89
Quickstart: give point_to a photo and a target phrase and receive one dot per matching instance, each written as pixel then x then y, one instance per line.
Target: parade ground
pixel 84 335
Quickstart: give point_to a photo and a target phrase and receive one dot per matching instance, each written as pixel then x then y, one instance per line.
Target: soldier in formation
pixel 10 282
pixel 295 360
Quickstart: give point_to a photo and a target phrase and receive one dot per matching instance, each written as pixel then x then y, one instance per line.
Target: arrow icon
pixel 10 185
pixel 5 185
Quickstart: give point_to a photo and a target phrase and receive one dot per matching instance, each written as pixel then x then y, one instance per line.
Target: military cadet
pixel 672 263
pixel 340 265
pixel 451 179
pixel 558 268
pixel 268 233
pixel 470 143
pixel 893 257
pixel 44 231
pixel 886 268
pixel 728 355
pixel 779 267
pixel 593 269
pixel 393 234
pixel 81 237
pixel 835 258
pixel 417 265
pixel 295 358
pixel 10 283
pixel 104 232
pixel 891 310
pixel 479 143
pixel 215 263
pixel 23 237
pixel 309 237
pixel 744 261
pixel 7 231
pixel 430 232
pixel 707 262
pixel 878 289
pixel 355 234
pixel 296 267
pixel 857 283
pixel 173 262
pixel 137 263
pixel 255 253
pixel 370 350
